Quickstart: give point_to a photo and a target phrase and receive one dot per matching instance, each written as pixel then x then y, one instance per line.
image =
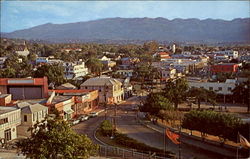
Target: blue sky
pixel 17 15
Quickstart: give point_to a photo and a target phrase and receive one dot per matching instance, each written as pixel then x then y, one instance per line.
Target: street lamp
pixel 247 87
pixel 105 98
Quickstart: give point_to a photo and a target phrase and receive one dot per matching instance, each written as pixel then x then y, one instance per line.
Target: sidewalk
pixel 195 141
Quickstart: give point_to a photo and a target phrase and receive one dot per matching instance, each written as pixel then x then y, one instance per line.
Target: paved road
pixel 128 124
pixel 88 127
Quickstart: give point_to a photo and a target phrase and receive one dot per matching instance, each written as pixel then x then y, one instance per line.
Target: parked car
pixel 83 117
pixel 74 121
pixel 93 114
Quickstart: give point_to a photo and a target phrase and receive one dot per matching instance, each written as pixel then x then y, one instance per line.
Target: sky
pixel 16 15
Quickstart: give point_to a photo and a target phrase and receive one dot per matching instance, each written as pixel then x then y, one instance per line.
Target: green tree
pixel 156 102
pixel 55 73
pixel 94 65
pixel 201 94
pixel 241 93
pixel 176 91
pixel 106 128
pixel 54 139
pixel 225 126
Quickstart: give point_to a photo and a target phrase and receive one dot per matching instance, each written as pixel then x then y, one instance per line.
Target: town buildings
pixel 110 89
pixel 82 102
pixel 230 53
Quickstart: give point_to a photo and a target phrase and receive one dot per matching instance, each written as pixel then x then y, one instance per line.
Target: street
pixel 128 124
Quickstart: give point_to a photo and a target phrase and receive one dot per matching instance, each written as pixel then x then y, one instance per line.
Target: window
pixel 201 87
pixel 7 134
pixel 210 88
pixel 3 121
pixel 229 88
pixel 220 88
pixel 25 118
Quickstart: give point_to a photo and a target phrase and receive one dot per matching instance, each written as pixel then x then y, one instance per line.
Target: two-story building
pixel 10 118
pixel 74 70
pixel 85 100
pixel 221 88
pixel 110 89
pixel 125 73
pixel 30 115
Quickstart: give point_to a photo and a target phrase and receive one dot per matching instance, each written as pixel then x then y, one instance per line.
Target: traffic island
pixel 120 140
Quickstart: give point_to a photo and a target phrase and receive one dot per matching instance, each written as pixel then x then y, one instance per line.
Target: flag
pixel 243 141
pixel 173 136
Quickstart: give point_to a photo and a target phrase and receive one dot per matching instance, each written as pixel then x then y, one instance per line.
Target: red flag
pixel 173 136
pixel 243 141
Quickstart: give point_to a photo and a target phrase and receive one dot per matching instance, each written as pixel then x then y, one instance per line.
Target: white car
pixel 93 114
pixel 83 118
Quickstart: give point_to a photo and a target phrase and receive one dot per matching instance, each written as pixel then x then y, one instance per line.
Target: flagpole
pixel 237 152
pixel 180 141
pixel 164 134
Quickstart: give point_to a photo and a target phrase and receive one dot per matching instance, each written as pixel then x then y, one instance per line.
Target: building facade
pixel 224 68
pixel 30 115
pixel 73 70
pixel 10 118
pixel 25 88
pixel 110 89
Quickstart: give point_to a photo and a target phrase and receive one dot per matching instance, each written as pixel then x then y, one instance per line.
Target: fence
pixel 116 152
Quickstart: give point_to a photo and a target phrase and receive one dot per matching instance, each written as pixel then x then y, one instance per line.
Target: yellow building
pixel 110 89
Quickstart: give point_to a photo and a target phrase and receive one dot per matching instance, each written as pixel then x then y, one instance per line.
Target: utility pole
pixel 105 103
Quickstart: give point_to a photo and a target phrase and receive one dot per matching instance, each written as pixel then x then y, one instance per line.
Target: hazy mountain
pixel 161 29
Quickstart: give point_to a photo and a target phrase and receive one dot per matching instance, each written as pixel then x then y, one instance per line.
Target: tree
pixel 241 93
pixel 54 73
pixel 156 102
pixel 225 126
pixel 176 91
pixel 94 65
pixel 52 139
pixel 202 94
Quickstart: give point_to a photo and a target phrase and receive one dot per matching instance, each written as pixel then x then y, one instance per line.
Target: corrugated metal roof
pixel 101 81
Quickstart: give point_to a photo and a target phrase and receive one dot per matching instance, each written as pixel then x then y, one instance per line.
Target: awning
pixel 69 111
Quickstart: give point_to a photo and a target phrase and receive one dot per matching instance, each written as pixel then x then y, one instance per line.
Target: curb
pixel 99 139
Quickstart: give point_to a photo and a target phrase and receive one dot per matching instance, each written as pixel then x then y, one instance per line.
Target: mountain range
pixel 160 29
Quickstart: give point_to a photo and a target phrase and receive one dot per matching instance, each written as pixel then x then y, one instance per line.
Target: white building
pixel 126 73
pixel 222 88
pixel 168 73
pixel 30 115
pixel 73 70
pixel 230 53
pixel 10 118
pixel 110 89
pixel 2 60
pixel 21 50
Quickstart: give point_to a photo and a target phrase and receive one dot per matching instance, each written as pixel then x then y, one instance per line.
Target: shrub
pixel 106 128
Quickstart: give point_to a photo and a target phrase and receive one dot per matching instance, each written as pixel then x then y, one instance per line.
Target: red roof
pixel 70 90
pixel 163 53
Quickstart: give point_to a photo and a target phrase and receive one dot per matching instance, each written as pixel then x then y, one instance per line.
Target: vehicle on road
pixel 73 121
pixel 83 117
pixel 93 114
